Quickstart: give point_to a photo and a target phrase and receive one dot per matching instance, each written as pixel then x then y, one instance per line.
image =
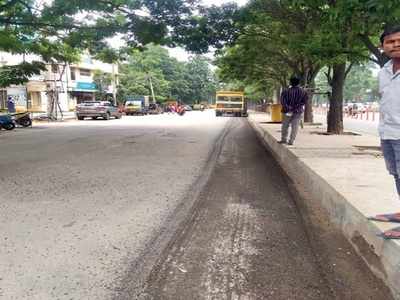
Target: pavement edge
pixel 381 256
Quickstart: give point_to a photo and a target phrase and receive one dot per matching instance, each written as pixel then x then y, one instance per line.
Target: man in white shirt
pixel 389 124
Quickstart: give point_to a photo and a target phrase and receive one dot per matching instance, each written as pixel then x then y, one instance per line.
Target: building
pixel 70 83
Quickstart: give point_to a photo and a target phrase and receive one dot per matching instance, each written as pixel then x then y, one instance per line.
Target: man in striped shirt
pixel 293 100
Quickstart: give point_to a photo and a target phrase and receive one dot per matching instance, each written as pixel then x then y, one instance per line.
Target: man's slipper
pixel 386 218
pixel 390 234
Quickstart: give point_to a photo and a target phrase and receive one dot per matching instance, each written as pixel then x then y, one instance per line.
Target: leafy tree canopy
pixel 59 30
pixel 186 81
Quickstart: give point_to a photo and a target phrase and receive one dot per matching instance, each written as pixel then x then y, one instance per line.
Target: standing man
pixel 389 124
pixel 293 100
pixel 10 104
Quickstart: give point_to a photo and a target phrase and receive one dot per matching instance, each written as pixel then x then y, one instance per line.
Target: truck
pixel 230 102
pixel 136 105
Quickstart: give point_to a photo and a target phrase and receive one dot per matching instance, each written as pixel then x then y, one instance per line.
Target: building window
pixel 85 72
pixel 73 77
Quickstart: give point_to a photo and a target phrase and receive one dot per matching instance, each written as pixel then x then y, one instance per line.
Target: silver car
pixel 96 109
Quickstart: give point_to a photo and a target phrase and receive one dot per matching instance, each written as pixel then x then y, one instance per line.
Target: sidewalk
pixel 347 175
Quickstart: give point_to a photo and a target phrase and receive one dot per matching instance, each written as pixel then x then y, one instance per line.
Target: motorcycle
pixel 6 122
pixel 181 110
pixel 22 119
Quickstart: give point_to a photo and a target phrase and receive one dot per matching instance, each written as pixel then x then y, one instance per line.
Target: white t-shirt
pixel 389 88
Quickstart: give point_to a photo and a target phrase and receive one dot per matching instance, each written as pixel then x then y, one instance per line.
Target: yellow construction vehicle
pixel 230 102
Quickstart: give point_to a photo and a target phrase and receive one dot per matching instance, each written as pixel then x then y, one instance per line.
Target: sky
pixel 219 2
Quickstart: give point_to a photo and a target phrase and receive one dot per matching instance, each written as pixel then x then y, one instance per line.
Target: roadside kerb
pixel 382 256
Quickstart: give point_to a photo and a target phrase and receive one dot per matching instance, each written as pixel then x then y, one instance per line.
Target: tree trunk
pixel 335 114
pixel 308 80
pixel 308 111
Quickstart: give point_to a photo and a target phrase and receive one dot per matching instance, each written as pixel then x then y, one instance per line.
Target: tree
pixel 141 65
pixel 360 83
pixel 272 44
pixel 350 35
pixel 186 81
pixel 201 82
pixel 58 31
pixel 102 81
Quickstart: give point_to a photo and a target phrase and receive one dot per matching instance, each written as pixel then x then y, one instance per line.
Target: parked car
pixel 188 108
pixel 97 109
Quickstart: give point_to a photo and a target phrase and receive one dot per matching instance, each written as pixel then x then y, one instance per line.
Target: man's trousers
pixel 292 121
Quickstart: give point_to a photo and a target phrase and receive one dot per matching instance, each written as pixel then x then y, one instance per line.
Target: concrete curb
pixel 382 256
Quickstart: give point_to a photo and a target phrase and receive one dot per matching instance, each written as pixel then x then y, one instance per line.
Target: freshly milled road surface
pixel 154 207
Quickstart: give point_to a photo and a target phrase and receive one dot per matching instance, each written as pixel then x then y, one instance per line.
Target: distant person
pixel 389 124
pixel 10 105
pixel 293 100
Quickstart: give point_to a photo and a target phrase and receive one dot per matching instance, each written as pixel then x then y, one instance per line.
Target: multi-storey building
pixel 72 84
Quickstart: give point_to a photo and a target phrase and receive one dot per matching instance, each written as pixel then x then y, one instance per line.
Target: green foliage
pixel 59 30
pixel 200 80
pixel 186 81
pixel 19 74
pixel 360 84
pixel 102 81
pixel 273 43
pixel 215 26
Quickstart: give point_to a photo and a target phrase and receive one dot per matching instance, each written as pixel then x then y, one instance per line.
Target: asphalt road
pixel 160 207
pixel 81 202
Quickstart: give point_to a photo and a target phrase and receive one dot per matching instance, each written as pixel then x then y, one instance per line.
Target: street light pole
pixel 151 88
pixel 114 85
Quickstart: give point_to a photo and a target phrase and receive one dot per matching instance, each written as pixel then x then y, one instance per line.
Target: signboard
pixel 85 86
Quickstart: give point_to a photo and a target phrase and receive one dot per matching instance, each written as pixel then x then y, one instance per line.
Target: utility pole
pixel 114 85
pixel 151 88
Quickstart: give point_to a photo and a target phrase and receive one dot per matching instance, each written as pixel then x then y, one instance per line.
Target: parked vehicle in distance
pixel 154 109
pixel 231 102
pixel 360 107
pixel 188 108
pixel 23 119
pixel 196 106
pixel 97 109
pixel 6 122
pixel 136 105
pixel 346 107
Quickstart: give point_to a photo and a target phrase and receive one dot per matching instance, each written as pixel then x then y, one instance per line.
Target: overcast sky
pixel 219 2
